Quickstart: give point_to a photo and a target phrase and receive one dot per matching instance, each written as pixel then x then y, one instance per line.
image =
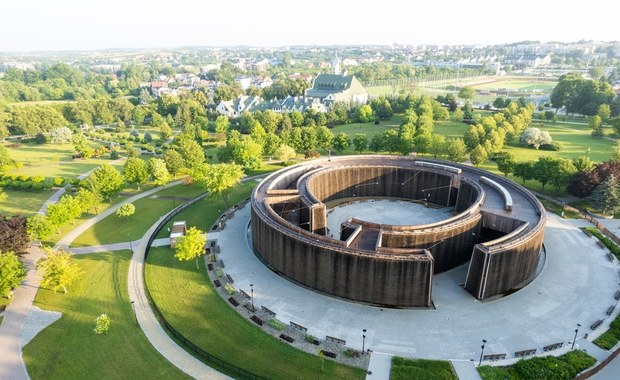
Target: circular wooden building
pixel 495 224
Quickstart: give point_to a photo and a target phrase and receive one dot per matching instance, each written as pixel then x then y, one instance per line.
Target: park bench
pixel 287 338
pixel 596 324
pixel 210 266
pixel 230 279
pixel 329 354
pixel 494 356
pixel 611 309
pixel 217 283
pixel 553 346
pixel 233 301
pixel 617 295
pixel 257 320
pixel 600 244
pixel 520 354
pixel 610 257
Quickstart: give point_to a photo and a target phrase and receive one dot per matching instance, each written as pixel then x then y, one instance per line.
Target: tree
pixel 376 143
pixel 615 154
pixel 607 196
pixel 192 153
pixel 285 153
pixel 174 162
pixel 80 144
pixel 582 183
pixel 583 164
pixel 58 269
pixel 61 135
pixel 467 93
pixel 219 179
pixel 158 171
pixel 126 210
pixel 535 137
pixel 38 227
pixel 562 173
pixel 360 142
pixel 596 72
pixel 595 122
pixel 478 155
pixel 102 324
pixel 105 180
pixel 222 124
pixel 13 234
pixel 191 246
pixel 324 137
pixel 364 114
pixel 341 142
pixel 505 162
pixel 136 171
pixel 438 145
pixel 604 112
pixel 5 158
pixel 544 168
pixel 88 199
pixel 12 272
pixel 456 150
pixel 382 108
pixel 524 170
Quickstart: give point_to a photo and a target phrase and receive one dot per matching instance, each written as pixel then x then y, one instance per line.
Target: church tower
pixel 336 66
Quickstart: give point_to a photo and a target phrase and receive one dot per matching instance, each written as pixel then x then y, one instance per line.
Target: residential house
pixel 235 107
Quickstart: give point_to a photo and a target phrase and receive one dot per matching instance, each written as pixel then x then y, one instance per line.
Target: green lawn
pixel 405 369
pixel 517 83
pixel 24 202
pixel 148 210
pixel 69 349
pixel 203 316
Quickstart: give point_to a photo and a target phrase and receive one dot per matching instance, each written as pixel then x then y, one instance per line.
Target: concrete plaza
pixel 576 285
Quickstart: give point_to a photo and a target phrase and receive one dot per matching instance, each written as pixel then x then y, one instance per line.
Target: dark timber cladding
pixel 393 265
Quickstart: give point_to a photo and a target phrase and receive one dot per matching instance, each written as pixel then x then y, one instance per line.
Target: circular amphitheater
pixel 492 223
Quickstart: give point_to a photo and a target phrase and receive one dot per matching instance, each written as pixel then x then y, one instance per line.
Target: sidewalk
pixel 11 363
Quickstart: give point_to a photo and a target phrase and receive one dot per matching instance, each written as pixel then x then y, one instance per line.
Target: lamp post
pixel 575 338
pixel 484 341
pixel 252 292
pixel 130 245
pixel 133 306
pixel 363 341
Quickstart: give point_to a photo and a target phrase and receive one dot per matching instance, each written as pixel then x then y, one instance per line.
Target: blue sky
pixel 28 25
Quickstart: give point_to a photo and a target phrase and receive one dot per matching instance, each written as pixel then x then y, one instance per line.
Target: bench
pixel 217 283
pixel 245 295
pixel 611 309
pixel 210 266
pixel 221 262
pixel 520 354
pixel 617 295
pixel 494 357
pixel 610 257
pixel 257 320
pixel 287 338
pixel 600 244
pixel 596 324
pixel 501 189
pixel 553 346
pixel 269 312
pixel 335 340
pixel 230 279
pixel 328 354
pixel 299 327
pixel 233 301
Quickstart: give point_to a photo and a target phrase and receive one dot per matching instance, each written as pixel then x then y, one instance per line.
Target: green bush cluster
pixel 276 324
pixel 24 182
pixel 218 272
pixel 613 247
pixel 230 289
pixel 403 368
pixel 564 367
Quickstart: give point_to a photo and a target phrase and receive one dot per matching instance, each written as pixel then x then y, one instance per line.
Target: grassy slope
pixel 23 202
pixel 69 349
pixel 206 318
pixel 404 369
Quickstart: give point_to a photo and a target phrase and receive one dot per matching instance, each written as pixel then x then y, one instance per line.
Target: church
pixel 337 87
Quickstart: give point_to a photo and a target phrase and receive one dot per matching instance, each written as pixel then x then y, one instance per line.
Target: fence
pixel 227 367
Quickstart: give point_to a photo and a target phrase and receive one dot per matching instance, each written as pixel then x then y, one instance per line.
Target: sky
pixel 41 25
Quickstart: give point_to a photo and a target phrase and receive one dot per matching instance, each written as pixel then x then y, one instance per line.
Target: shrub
pixel 38 186
pixel 102 324
pixel 613 247
pixel 230 289
pixel 554 146
pixel 59 181
pixel 309 338
pixel 114 154
pixel 159 151
pixel 40 138
pixel 24 178
pixel 311 153
pixel 26 185
pixel 276 324
pixel 38 179
pixel 218 272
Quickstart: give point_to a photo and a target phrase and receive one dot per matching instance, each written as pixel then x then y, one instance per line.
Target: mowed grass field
pixel 203 316
pixel 69 349
pixel 113 229
pixel 23 202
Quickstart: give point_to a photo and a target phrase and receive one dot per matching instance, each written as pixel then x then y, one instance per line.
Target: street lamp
pixel 252 292
pixel 363 340
pixel 484 341
pixel 575 338
pixel 130 245
pixel 133 306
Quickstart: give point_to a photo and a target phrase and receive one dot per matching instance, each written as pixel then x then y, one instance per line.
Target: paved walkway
pixel 11 363
pixel 150 325
pixel 465 369
pixel 379 366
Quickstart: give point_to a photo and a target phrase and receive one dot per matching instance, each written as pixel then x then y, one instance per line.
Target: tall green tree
pixel 360 142
pixel 456 150
pixel 126 210
pixel 607 196
pixel 438 145
pixel 58 269
pixel 478 155
pixel 341 142
pixel 544 168
pixel 467 93
pixel 12 272
pixel 219 179
pixel 505 162
pixel 158 171
pixel 524 170
pixel 136 171
pixel 105 180
pixel 191 246
pixel 174 162
pixel 38 227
